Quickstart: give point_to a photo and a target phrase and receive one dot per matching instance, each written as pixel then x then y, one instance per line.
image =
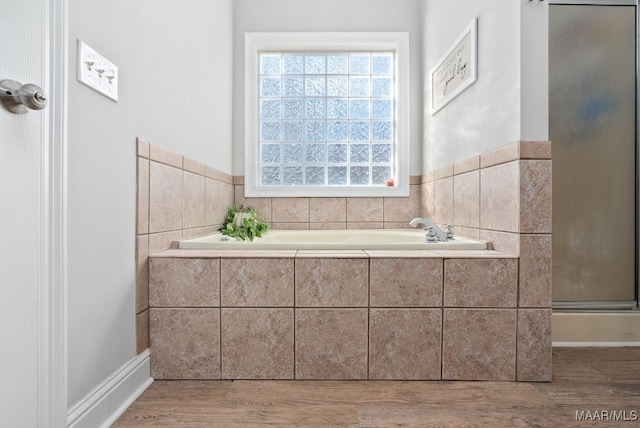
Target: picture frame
pixel 457 69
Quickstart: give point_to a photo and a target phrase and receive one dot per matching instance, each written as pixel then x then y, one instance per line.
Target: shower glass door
pixel 592 126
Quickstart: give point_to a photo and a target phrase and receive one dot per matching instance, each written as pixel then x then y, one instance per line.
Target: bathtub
pixel 360 239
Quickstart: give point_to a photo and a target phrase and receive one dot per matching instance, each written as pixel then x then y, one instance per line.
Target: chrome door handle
pixel 18 98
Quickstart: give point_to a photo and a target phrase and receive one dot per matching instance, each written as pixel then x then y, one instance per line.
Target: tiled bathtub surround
pixel 416 315
pixel 501 196
pixel 335 213
pixel 343 315
pixel 177 198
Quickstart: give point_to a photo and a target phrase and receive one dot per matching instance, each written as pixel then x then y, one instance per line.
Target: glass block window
pixel 326 118
pixel 326 121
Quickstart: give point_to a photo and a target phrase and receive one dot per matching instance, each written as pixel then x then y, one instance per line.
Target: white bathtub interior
pixel 357 239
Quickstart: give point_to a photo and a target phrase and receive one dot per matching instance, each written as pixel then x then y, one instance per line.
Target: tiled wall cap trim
pixel 166 157
pixel 525 150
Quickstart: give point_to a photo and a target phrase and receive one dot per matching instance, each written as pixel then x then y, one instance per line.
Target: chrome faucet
pixel 433 232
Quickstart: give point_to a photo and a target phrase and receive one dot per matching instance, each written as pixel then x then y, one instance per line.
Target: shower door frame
pixel 608 306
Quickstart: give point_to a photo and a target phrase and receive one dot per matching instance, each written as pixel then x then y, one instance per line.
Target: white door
pixel 25 196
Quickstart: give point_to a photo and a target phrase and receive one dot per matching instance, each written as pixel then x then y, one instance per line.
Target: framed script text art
pixel 457 69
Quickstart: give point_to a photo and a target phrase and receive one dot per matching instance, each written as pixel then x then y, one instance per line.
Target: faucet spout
pixel 428 224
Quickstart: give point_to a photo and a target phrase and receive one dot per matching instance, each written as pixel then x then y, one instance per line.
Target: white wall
pixel 326 15
pixel 174 61
pixel 487 114
pixel 534 48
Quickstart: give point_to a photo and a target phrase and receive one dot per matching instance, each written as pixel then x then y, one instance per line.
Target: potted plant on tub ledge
pixel 243 223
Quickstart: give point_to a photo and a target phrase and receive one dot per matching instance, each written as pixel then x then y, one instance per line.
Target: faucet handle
pixel 431 235
pixel 449 233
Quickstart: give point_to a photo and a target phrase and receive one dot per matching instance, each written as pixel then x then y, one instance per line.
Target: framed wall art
pixel 457 69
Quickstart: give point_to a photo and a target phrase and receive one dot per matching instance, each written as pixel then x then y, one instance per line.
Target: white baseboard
pixel 108 401
pixel 616 328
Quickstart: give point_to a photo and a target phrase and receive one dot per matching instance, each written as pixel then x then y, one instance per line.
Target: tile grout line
pixel 220 312
pixel 442 322
pixel 295 317
pixel 368 318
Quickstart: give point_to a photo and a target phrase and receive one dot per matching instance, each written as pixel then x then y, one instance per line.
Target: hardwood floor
pixel 585 381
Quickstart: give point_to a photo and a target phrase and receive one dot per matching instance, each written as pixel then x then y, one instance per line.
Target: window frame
pixel 255 43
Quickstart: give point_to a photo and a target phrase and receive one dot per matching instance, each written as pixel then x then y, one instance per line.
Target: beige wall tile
pixel 331 343
pixel 467 254
pixel 535 271
pixel 403 254
pixel 165 198
pixel 466 199
pixel 351 225
pixel 427 200
pixel 403 209
pixel 256 282
pixel 331 254
pixel 218 175
pixel 443 226
pixel 142 331
pixel 193 166
pixel 405 282
pixel 193 194
pixel 257 344
pixel 257 254
pixel 505 242
pixel 481 283
pixel 325 210
pixel 218 199
pixel 142 197
pixel 445 171
pixel 184 282
pixel 508 153
pixel 443 209
pixel 142 273
pixel 534 345
pixel 290 226
pixel 467 165
pixel 405 344
pixel 468 232
pixel 142 148
pixel 328 226
pixel 397 224
pixel 535 149
pixel 499 197
pixel 365 210
pixel 193 232
pixel 479 344
pixel 185 343
pixel 329 282
pixel 261 205
pixel 164 156
pixel 535 196
pixel 211 229
pixel 162 241
pixel 290 210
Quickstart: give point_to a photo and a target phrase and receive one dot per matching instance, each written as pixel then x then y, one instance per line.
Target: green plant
pixel 243 223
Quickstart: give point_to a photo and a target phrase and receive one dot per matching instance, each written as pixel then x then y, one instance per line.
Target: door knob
pixel 18 98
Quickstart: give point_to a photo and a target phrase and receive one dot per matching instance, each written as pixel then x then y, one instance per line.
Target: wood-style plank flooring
pixel 585 380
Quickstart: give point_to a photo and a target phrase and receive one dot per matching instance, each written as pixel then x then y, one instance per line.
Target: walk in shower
pixel 593 126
